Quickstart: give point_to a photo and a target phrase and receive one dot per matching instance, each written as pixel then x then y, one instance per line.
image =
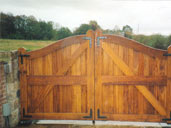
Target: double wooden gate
pixel 95 77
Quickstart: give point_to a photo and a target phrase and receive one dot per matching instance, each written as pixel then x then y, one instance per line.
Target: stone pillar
pixel 10 87
pixel 2 92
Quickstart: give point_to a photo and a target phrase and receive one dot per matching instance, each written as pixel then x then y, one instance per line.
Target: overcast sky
pixel 151 16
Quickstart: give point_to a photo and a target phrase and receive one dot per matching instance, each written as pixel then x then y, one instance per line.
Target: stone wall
pixel 3 98
pixel 11 84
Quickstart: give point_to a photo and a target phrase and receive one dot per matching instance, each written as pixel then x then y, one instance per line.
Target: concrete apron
pixel 100 124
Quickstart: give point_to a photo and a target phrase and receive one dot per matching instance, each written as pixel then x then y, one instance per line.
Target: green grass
pixel 9 45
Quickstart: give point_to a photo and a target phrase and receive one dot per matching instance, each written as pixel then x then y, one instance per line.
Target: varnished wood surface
pixel 169 84
pixel 59 80
pixel 124 79
pixel 144 72
pixel 127 71
pixel 134 80
pixel 55 46
pixel 56 80
pixel 153 52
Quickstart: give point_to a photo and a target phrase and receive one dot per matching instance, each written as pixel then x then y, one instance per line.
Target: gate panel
pixel 131 80
pixel 59 80
pixel 95 77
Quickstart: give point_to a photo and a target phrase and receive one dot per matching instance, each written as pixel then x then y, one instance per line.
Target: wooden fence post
pixel 22 78
pixel 169 82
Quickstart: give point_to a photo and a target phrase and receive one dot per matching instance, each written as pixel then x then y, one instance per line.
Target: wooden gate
pixel 130 80
pixel 95 77
pixel 57 81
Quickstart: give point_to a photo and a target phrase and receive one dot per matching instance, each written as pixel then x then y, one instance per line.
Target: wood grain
pixel 124 79
pixel 169 82
pixel 146 93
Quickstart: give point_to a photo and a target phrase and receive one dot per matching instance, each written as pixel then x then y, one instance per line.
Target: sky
pixel 145 17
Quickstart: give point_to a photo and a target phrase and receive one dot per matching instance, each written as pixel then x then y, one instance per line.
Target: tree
pixel 62 33
pixel 20 26
pixel 159 41
pixel 94 25
pixel 127 31
pixel 82 29
pixel 156 41
pixel 116 31
pixel 7 28
pixel 169 40
pixel 24 27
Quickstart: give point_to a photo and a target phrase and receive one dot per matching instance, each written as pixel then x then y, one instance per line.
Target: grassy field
pixel 9 45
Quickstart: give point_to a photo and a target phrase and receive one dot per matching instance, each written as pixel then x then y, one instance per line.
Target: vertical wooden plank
pixel 37 65
pixel 28 86
pixel 84 99
pixel 126 98
pixel 163 90
pixel 23 82
pixel 169 82
pixel 77 88
pixel 110 88
pixel 64 89
pixel 156 73
pixel 98 72
pixel 149 108
pixel 56 89
pixel 132 100
pixel 60 90
pixel 78 91
pixel 56 99
pixel 141 100
pixel 90 73
pixel 107 91
pixel 47 70
pixel 120 87
pixel 115 88
pixel 69 88
pixel 83 88
pixel 74 87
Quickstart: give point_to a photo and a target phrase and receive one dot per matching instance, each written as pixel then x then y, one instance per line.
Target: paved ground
pixel 88 124
pixel 80 126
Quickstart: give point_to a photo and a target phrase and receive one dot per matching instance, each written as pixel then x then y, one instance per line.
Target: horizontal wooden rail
pixel 134 80
pixel 57 80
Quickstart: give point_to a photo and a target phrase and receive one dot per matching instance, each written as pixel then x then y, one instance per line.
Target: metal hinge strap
pixel 99 116
pixel 88 38
pixel 167 54
pixel 98 39
pixel 23 55
pixel 26 116
pixel 90 116
pixel 167 119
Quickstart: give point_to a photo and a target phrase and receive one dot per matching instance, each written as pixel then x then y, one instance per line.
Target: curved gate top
pixel 95 77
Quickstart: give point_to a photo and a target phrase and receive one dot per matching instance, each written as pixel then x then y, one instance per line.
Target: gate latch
pixel 98 39
pixel 88 38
